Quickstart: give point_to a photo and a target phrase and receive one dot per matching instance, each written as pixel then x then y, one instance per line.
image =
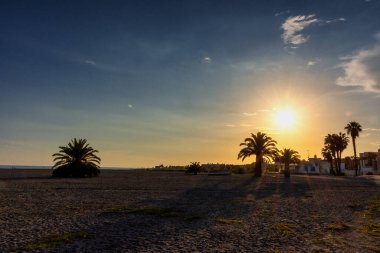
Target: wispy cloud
pixel 362 69
pixel 249 114
pixel 294 25
pixel 90 62
pixel 372 129
pixel 335 20
pixel 281 13
pixel 206 59
pixel 130 106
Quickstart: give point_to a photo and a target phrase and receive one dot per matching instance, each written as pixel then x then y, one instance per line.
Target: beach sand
pixel 145 211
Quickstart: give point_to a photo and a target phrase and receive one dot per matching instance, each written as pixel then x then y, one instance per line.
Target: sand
pixel 142 211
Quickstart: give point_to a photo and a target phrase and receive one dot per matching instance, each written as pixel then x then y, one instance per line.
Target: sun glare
pixel 285 119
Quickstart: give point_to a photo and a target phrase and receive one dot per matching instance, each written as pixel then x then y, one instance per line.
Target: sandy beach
pixel 144 211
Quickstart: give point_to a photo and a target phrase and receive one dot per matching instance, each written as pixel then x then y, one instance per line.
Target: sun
pixel 285 119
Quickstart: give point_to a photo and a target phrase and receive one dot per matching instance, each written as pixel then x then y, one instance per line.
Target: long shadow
pixel 195 210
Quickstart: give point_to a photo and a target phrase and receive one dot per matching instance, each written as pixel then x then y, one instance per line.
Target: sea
pixel 44 167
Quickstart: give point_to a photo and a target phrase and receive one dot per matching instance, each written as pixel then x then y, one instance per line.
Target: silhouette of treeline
pixel 209 167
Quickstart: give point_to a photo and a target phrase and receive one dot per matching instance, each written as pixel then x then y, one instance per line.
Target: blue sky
pixel 151 82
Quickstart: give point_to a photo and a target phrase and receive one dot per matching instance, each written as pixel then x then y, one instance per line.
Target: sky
pixel 172 82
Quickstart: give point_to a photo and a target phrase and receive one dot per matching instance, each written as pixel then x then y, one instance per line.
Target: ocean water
pixel 26 167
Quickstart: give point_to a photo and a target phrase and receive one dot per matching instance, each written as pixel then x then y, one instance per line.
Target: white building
pixel 315 165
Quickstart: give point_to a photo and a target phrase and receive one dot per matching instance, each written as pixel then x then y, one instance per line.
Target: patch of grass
pixel 370 219
pixel 372 210
pixel 372 229
pixel 338 227
pixel 284 228
pixel 227 221
pixel 53 241
pixel 264 214
pixel 328 241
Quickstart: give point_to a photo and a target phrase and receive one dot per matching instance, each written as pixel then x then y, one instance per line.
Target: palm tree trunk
pixel 287 170
pixel 258 170
pixel 355 159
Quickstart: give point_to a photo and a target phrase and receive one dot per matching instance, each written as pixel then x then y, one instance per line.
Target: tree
pixel 288 156
pixel 336 144
pixel 77 159
pixel 327 154
pixel 260 145
pixel 194 168
pixel 353 128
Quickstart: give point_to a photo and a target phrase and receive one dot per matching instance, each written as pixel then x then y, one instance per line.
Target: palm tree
pixel 327 154
pixel 288 156
pixel 260 145
pixel 353 128
pixel 77 159
pixel 336 144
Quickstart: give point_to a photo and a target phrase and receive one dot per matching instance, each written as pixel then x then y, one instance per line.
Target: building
pixel 315 165
pixel 369 162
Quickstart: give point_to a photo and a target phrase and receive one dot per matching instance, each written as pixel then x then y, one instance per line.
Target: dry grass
pixel 52 241
pixel 227 221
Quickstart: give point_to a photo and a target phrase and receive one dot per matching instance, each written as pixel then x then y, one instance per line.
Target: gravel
pixel 270 214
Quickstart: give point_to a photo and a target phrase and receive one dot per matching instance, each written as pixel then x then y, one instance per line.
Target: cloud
pixel 206 59
pixel 362 69
pixel 281 13
pixel 313 62
pixel 292 27
pixel 229 125
pixel 130 106
pixel 372 129
pixel 335 20
pixel 249 114
pixel 90 62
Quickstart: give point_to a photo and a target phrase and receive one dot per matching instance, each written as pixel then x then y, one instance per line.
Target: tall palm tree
pixel 353 128
pixel 336 144
pixel 260 145
pixel 77 159
pixel 288 156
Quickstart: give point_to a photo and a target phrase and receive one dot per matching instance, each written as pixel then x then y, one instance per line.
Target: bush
pixel 194 168
pixel 70 170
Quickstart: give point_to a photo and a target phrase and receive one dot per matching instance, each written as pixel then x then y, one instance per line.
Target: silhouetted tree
pixel 260 145
pixel 353 128
pixel 77 159
pixel 336 144
pixel 288 156
pixel 327 154
pixel 194 168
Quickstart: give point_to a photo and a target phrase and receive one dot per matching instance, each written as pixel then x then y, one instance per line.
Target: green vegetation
pixel 371 224
pixel 354 128
pixel 260 145
pixel 227 221
pixel 52 241
pixel 77 159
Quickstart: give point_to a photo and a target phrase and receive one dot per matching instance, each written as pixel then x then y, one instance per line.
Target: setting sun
pixel 285 119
